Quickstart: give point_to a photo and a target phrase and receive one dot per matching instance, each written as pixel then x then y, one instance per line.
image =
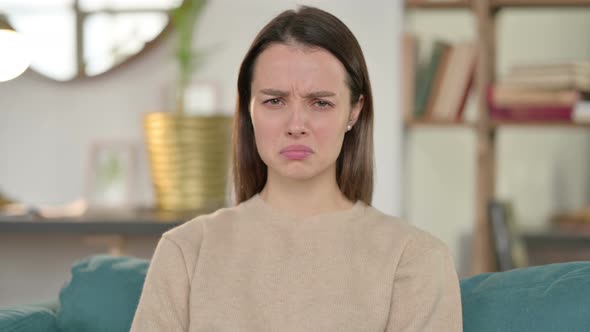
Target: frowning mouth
pixel 296 152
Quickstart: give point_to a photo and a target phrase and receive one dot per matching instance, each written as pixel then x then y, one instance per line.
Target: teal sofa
pixel 103 293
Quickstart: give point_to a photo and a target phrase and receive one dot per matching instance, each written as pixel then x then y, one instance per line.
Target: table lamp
pixel 15 56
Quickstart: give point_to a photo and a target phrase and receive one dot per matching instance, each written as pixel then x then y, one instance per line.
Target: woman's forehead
pixel 287 66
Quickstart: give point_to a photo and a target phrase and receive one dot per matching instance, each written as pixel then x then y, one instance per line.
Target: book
pixel 509 96
pixel 554 82
pixel 437 81
pixel 555 76
pixel 524 113
pixel 457 81
pixel 575 67
pixel 426 76
pixel 535 114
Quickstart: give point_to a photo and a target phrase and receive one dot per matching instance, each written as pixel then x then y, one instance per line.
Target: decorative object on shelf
pixel 509 247
pixel 189 155
pixel 9 207
pixel 111 180
pixel 581 113
pixel 5 201
pixel 576 221
pixel 16 53
pixel 188 146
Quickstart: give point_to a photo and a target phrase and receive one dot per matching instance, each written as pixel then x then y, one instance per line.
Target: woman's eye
pixel 273 101
pixel 323 104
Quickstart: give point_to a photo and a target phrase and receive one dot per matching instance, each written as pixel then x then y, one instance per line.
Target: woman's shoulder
pixel 410 238
pixel 192 230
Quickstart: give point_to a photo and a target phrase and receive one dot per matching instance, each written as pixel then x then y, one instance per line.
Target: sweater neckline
pixel 261 206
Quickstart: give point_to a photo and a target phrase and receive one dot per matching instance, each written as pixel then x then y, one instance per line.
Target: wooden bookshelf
pixel 485 18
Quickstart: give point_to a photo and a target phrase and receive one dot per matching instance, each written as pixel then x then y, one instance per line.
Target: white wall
pixel 542 170
pixel 46 127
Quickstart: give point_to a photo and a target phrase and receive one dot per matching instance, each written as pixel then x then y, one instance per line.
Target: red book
pixel 528 113
pixel 466 94
pixel 532 114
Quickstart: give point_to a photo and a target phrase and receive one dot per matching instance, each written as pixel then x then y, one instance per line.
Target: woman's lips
pixel 296 152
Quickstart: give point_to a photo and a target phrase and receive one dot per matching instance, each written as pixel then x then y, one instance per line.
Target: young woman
pixel 303 250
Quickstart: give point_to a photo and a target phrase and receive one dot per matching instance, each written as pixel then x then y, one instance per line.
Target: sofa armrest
pixel 29 318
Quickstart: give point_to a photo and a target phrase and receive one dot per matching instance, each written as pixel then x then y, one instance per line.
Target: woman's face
pixel 300 109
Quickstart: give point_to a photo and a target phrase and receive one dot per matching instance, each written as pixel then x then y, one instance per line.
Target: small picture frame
pixel 111 178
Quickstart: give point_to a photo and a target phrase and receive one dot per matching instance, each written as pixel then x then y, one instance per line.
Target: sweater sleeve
pixel 163 305
pixel 426 294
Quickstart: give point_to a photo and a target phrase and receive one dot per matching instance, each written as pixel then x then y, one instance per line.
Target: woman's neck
pixel 304 198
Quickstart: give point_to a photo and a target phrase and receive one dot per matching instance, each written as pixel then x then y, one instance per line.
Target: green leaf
pixel 184 19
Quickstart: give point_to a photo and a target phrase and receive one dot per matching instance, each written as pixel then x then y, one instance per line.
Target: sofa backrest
pixel 104 291
pixel 102 294
pixel 554 297
pixel 28 318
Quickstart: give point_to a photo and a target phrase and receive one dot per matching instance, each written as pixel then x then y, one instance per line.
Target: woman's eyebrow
pixel 315 94
pixel 320 94
pixel 274 92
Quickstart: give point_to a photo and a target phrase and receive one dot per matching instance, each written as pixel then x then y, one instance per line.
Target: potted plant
pixel 188 152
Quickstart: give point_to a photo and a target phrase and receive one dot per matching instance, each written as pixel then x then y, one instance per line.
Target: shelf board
pixel 438 3
pixel 434 123
pixel 539 3
pixel 564 124
pixel 496 124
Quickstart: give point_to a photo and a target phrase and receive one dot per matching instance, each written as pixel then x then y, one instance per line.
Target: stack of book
pixel 540 93
pixel 574 221
pixel 437 89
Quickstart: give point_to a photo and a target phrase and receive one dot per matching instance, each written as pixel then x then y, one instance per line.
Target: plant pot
pixel 189 160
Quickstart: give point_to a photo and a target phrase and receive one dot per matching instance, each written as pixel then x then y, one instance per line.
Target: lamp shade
pixel 15 56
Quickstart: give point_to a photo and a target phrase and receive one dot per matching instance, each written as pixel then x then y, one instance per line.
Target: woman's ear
pixel 356 110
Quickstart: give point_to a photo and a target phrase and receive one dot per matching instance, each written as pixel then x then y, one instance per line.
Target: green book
pixel 425 77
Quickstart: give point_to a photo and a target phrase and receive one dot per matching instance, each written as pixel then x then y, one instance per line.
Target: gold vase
pixel 189 160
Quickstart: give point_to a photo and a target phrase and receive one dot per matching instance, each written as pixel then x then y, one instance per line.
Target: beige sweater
pixel 253 268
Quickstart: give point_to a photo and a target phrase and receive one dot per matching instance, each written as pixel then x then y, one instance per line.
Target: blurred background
pixel 89 156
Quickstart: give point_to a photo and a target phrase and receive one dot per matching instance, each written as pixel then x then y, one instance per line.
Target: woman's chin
pixel 298 176
pixel 299 171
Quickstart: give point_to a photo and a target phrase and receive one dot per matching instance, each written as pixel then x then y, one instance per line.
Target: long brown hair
pixel 312 27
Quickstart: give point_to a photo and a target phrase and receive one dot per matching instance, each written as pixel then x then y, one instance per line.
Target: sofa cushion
pixel 553 297
pixel 27 318
pixel 102 294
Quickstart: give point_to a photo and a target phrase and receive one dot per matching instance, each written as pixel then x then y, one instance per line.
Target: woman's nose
pixel 297 125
